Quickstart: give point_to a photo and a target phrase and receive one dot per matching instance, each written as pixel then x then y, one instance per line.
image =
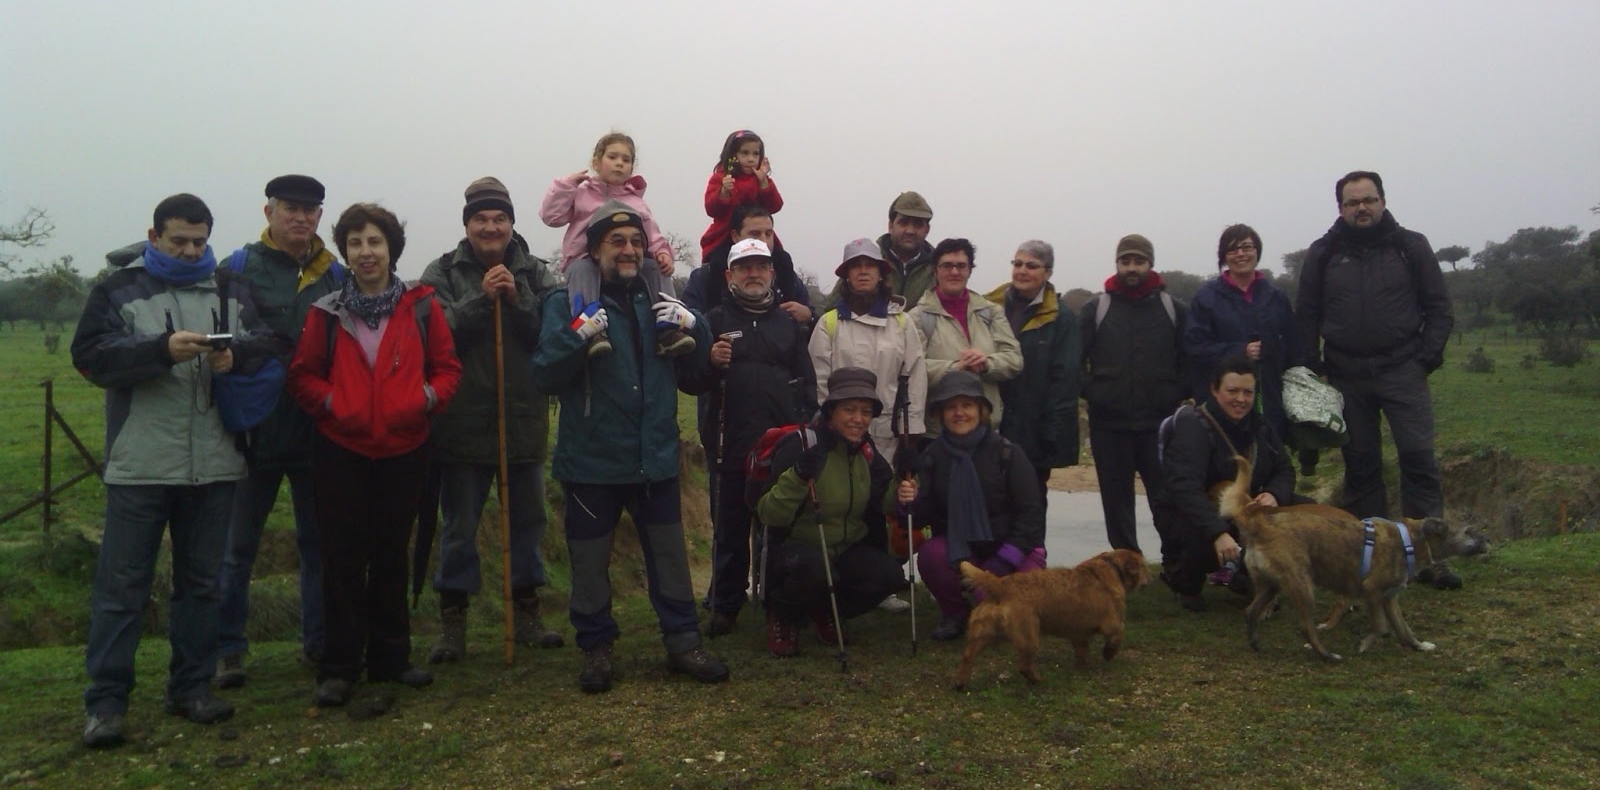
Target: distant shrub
pixel 1479 362
pixel 1563 351
pixel 52 342
pixel 1529 362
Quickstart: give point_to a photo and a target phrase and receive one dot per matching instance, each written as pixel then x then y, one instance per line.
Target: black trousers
pixel 797 586
pixel 1199 555
pixel 731 560
pixel 1118 456
pixel 365 508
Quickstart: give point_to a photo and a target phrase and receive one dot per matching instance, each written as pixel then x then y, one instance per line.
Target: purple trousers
pixel 944 582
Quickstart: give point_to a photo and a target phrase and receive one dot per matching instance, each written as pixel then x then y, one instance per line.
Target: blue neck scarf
pixel 176 271
pixel 966 511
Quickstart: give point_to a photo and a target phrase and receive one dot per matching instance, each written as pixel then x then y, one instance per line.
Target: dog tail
pixel 992 585
pixel 1234 501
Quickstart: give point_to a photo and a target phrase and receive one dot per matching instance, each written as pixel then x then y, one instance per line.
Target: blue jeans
pixel 252 502
pixel 591 523
pixel 464 489
pixel 136 516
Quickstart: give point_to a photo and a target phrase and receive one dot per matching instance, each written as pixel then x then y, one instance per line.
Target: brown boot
pixel 783 639
pixel 530 629
pixel 452 644
pixel 673 342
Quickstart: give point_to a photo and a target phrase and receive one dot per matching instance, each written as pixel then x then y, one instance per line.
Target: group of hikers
pixel 908 416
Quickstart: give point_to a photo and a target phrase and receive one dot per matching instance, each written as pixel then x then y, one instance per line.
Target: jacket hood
pixel 122 256
pixel 1049 305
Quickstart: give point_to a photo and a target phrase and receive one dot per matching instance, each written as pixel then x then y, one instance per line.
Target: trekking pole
pixel 904 409
pixel 505 498
pixel 827 570
pixel 716 504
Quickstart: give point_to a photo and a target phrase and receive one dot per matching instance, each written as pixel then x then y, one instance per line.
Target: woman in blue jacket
pixel 1242 312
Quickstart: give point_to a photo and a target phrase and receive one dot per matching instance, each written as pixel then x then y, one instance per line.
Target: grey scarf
pixel 967 513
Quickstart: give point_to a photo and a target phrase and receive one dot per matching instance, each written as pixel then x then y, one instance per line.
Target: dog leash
pixel 1371 539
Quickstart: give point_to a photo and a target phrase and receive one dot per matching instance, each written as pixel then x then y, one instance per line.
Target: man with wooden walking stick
pixel 490 288
pixel 617 445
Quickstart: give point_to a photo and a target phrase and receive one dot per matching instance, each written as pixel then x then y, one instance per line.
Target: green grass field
pixel 1507 700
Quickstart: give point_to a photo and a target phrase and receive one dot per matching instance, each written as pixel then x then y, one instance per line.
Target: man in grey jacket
pixel 144 338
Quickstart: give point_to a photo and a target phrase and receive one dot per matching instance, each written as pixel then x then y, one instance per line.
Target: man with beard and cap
pixel 290 268
pixel 1133 379
pixel 170 462
pixel 906 249
pixel 1375 317
pixel 492 263
pixel 759 377
pixel 617 447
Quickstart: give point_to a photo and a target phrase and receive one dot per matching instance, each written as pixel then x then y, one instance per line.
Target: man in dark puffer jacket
pixel 1371 292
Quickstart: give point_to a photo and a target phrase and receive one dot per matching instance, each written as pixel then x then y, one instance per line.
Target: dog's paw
pixel 1335 658
pixel 1426 646
pixel 1323 627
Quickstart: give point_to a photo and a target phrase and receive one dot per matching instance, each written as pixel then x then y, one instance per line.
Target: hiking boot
pixel 201 709
pixel 1440 577
pixel 783 639
pixel 1193 603
pixel 673 342
pixel 412 676
pixel 452 644
pixel 597 673
pixel 721 624
pixel 530 629
pixel 698 664
pixel 827 630
pixel 949 628
pixel 230 672
pixel 894 603
pixel 101 730
pixel 598 346
pixel 333 693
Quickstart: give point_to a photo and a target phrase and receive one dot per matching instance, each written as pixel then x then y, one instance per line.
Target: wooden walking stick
pixel 505 489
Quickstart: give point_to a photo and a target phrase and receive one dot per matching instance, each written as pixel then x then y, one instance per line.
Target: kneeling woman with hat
pixel 832 478
pixel 978 493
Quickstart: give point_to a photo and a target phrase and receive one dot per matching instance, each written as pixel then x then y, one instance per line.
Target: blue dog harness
pixel 1371 540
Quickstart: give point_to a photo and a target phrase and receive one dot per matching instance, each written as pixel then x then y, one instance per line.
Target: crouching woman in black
pixel 1198 454
pixel 833 470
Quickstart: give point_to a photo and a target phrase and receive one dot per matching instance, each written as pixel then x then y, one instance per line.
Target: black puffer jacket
pixel 1195 458
pixel 1010 492
pixel 1133 362
pixel 767 382
pixel 1373 304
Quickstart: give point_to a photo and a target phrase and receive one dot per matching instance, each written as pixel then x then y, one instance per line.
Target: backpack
pixel 1103 306
pixel 830 322
pixel 758 471
pixel 245 399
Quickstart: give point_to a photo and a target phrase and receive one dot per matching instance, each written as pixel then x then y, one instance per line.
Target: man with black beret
pixel 289 268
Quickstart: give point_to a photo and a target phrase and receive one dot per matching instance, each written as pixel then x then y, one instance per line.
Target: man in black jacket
pixel 760 377
pixel 1133 379
pixel 707 285
pixel 1374 312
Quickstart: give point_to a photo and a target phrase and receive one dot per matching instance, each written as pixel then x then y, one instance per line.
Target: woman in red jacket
pixel 742 175
pixel 375 360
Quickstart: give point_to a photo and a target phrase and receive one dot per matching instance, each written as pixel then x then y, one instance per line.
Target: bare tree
pixel 685 251
pixel 32 230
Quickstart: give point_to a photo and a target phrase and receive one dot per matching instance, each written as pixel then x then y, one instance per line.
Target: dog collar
pixel 1370 540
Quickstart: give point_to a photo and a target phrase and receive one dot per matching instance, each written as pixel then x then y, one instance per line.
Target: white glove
pixel 673 314
pixel 587 326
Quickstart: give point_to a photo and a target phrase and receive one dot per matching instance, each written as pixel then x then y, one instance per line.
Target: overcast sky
pixel 1071 122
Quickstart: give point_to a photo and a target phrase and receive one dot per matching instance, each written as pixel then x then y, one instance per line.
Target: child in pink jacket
pixel 571 200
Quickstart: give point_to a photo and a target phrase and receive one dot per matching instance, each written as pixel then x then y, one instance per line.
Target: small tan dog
pixel 1296 549
pixel 1075 603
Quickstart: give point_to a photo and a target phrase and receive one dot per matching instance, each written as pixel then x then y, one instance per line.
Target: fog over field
pixel 1071 122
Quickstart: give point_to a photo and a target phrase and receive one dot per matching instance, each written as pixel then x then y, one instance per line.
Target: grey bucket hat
pixel 958 382
pixel 849 383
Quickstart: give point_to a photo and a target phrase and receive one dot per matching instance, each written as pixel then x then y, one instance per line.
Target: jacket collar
pixel 1047 306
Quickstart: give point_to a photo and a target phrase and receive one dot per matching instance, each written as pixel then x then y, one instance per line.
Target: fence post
pixel 49 431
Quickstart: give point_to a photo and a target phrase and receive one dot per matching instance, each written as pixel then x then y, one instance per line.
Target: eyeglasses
pixel 1361 202
pixel 1029 265
pixel 621 242
pixel 1246 247
pixel 953 266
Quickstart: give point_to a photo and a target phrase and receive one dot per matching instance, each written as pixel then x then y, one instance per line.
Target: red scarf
pixel 1152 281
pixel 956 306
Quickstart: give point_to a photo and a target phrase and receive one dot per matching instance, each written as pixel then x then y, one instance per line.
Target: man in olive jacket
pixel 289 269
pixel 490 264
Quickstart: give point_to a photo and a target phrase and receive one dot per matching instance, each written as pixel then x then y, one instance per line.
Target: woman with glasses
pixel 962 330
pixel 1242 312
pixel 1041 405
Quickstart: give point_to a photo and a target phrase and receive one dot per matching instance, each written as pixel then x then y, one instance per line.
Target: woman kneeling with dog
pixel 1198 454
pixel 835 481
pixel 978 493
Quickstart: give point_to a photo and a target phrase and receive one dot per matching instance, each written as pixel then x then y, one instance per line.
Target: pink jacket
pixel 570 204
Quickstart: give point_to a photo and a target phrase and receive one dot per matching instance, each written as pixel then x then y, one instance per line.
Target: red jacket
pixel 746 189
pixel 383 411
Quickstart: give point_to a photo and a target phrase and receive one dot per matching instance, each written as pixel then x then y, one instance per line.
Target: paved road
pixel 1075 527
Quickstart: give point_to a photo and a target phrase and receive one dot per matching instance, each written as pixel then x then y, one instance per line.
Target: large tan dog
pixel 1295 549
pixel 1075 603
